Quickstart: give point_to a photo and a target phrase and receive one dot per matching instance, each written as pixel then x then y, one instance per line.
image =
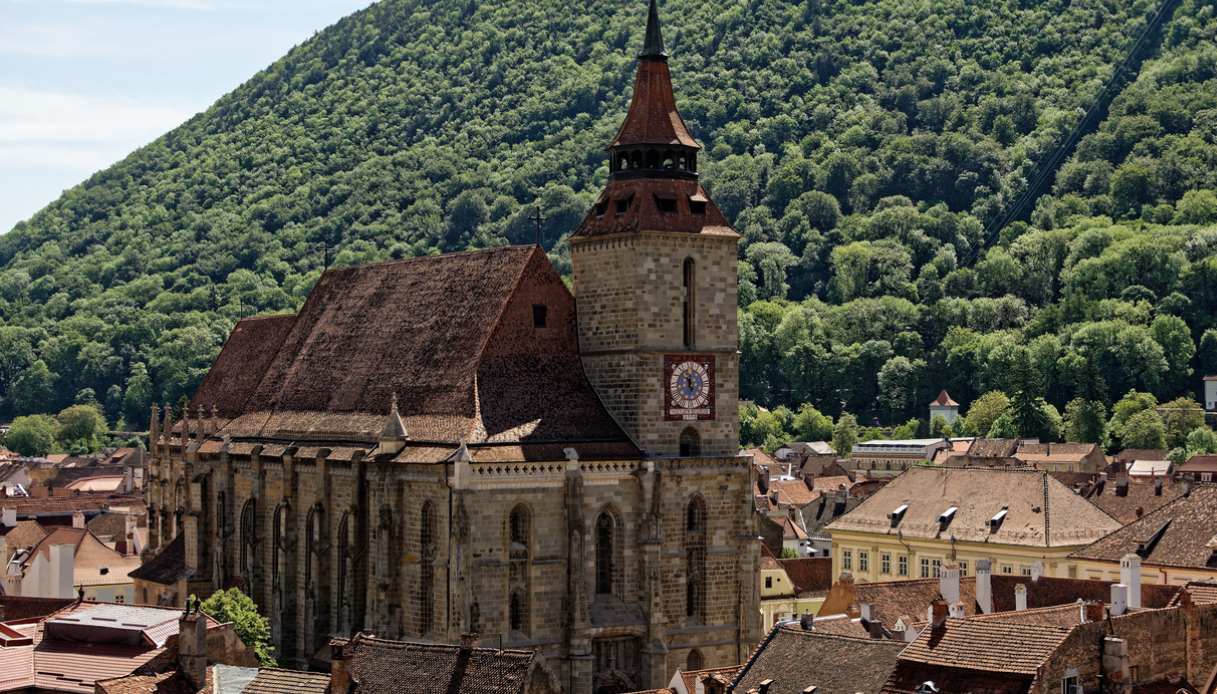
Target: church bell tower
pixel 655 281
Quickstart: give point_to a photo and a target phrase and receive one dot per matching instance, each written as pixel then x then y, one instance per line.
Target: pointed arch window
pixel 690 443
pixel 687 296
pixel 607 548
pixel 695 661
pixel 695 560
pixel 249 546
pixel 517 612
pixel 426 582
pixel 520 528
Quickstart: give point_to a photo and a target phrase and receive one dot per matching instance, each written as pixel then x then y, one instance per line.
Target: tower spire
pixel 653 47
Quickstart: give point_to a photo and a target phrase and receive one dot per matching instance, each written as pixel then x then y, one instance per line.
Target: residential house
pixel 1150 468
pixel 1062 457
pixel 1210 393
pixel 1199 468
pixel 1016 518
pixel 943 406
pixel 813 456
pixel 888 458
pixel 793 587
pixel 1072 648
pixel 167 579
pixel 68 561
pixel 1175 543
pixel 1122 460
pixel 1128 498
pixel 798 657
pixel 703 681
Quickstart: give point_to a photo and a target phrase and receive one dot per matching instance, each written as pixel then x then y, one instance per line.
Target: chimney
pixel 764 686
pixel 469 641
pixel 807 622
pixel 1119 599
pixel 865 612
pixel 78 519
pixel 938 613
pixel 1116 664
pixel 762 478
pixel 948 581
pixel 1037 570
pixel 1020 597
pixel 1158 486
pixel 340 675
pixel 955 609
pixel 8 517
pixel 62 566
pixel 192 645
pixel 1130 575
pixel 1092 612
pixel 809 481
pixel 984 585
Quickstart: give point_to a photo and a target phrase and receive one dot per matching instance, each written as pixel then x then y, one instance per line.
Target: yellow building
pixel 791 588
pixel 1176 543
pixel 1013 517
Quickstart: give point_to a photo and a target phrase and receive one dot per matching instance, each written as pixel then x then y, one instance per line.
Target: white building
pixel 1210 393
pixel 943 406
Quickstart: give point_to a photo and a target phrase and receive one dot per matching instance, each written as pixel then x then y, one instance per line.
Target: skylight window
pixel 897 514
pixel 947 516
pixel 996 521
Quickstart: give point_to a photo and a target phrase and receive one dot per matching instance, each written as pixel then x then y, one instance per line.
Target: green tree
pixel 234 606
pixel 1143 430
pixel 1181 417
pixel 1085 420
pixel 34 390
pixel 810 424
pixel 81 428
pixel 137 397
pixel 33 435
pixel 1131 404
pixel 984 411
pixel 845 434
pixel 1201 441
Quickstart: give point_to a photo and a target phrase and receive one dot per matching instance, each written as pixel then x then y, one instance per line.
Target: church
pixel 459 444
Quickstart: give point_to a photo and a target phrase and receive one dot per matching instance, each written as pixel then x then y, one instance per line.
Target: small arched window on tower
pixel 517 611
pixel 518 522
pixel 688 286
pixel 606 554
pixel 695 661
pixel 690 443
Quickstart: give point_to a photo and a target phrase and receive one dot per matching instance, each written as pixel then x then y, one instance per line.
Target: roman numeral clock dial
pixel 689 380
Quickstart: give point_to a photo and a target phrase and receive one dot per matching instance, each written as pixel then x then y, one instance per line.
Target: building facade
pixel 438 446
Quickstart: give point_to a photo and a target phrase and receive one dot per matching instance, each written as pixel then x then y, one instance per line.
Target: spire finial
pixel 653 47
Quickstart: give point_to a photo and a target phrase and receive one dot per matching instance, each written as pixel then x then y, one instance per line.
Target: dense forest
pixel 863 149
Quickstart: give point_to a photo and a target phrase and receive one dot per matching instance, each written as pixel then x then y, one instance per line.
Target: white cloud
pixel 46 129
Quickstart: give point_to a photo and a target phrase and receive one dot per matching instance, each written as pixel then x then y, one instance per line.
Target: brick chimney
pixel 340 674
pixel 938 613
pixel 1130 575
pixel 192 645
pixel 984 585
pixel 469 641
pixel 1092 612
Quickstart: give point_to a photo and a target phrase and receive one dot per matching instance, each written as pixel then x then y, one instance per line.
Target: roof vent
pixel 945 519
pixel 897 514
pixel 1144 549
pixel 996 521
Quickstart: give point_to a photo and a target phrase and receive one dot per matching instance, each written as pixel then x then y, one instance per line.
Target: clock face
pixel 690 387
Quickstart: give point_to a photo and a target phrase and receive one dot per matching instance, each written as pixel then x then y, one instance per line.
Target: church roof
pixel 653 118
pixel 632 204
pixel 251 346
pixel 452 336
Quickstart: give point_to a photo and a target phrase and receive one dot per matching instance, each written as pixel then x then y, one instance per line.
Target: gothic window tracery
pixel 249 546
pixel 695 560
pixel 426 587
pixel 608 550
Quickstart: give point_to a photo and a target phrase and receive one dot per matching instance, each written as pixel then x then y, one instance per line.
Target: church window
pixel 606 554
pixel 517 611
pixel 539 315
pixel 427 574
pixel 687 297
pixel 249 546
pixel 519 525
pixel 695 560
pixel 344 552
pixel 695 661
pixel 690 442
pixel 222 533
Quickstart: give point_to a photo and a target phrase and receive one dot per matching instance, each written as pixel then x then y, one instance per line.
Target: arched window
pixel 222 533
pixel 519 524
pixel 426 581
pixel 687 296
pixel 695 560
pixel 249 546
pixel 695 661
pixel 690 442
pixel 606 558
pixel 517 611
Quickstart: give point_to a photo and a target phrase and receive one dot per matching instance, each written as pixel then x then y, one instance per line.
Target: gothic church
pixel 456 444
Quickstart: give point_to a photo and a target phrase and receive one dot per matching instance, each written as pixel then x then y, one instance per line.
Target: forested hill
pixel 860 147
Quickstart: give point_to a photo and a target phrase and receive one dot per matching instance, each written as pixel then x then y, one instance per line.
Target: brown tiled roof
pixel 1040 511
pixel 169 682
pixel 692 677
pixel 1182 533
pixel 1202 592
pixel 988 645
pixel 792 492
pixel 1128 455
pixel 809 574
pixel 795 659
pixel 280 681
pixel 791 530
pixel 380 666
pixel 1128 498
pixel 168 566
pixel 16 607
pixel 26 533
pixel 944 400
pixel 111 524
pixel 653 118
pixel 993 448
pixel 452 336
pixel 247 353
pixel 640 197
pixel 909 676
pixel 1199 463
pixel 31 507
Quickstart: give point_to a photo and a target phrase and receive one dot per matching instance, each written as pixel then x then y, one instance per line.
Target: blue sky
pixel 85 82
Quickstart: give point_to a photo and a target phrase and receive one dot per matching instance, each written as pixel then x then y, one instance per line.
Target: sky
pixel 85 82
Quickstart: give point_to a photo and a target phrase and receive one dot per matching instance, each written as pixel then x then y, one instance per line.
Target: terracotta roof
pixel 451 336
pixel 987 645
pixel 168 566
pixel 640 199
pixel 380 666
pixel 1040 511
pixel 909 676
pixel 993 448
pixel 1199 463
pixel 26 533
pixel 809 574
pixel 112 524
pixel 653 118
pixel 792 492
pixel 280 681
pixel 31 507
pixel 1182 533
pixel 791 530
pixel 1130 454
pixel 722 674
pixel 1203 593
pixel 1127 499
pixel 944 400
pixel 795 659
pixel 15 608
pixel 248 352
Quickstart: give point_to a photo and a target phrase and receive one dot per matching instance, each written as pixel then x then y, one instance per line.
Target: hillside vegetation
pixel 860 147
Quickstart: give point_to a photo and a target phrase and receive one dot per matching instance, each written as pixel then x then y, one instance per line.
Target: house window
pixel 936 566
pixel 120 598
pixel 902 565
pixel 1007 568
pixel 963 568
pixel 925 567
pixel 769 581
pixel 1070 685
pixel 539 312
pixel 885 563
pixel 847 559
pixel 863 561
pixel 1024 570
